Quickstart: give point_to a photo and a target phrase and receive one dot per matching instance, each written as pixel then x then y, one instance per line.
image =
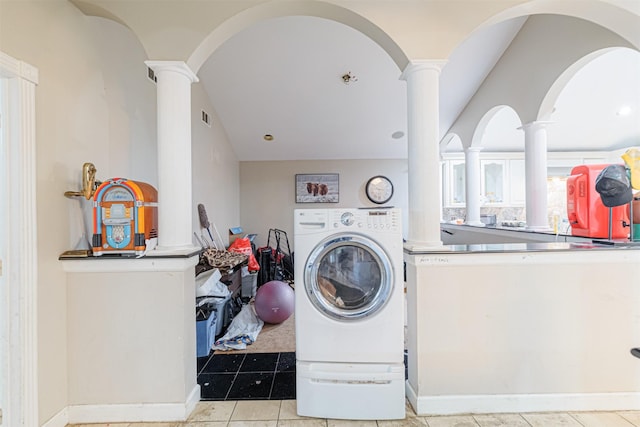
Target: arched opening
pixel 282 61
pixel 595 104
pixel 498 131
pixel 272 10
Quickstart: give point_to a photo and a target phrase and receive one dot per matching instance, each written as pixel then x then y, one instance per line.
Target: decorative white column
pixel 472 185
pixel 174 156
pixel 535 161
pixel 423 158
pixel 19 266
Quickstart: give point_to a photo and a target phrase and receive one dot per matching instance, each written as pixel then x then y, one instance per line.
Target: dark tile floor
pixel 257 376
pixel 253 376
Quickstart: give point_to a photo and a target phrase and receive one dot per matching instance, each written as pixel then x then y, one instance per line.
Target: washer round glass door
pixel 348 277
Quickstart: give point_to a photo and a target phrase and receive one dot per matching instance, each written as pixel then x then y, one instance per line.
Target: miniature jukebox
pixel 125 214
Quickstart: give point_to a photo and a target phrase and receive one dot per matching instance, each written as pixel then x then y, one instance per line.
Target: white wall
pixel 94 103
pixel 523 332
pixel 91 105
pixel 216 175
pixel 267 190
pixel 132 339
pixel 73 122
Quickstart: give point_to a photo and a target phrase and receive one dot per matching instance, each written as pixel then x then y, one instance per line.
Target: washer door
pixel 348 277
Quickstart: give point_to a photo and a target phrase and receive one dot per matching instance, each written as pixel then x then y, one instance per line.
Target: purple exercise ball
pixel 274 301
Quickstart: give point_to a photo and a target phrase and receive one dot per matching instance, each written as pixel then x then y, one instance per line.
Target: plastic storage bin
pixel 249 285
pixel 205 333
pixel 222 312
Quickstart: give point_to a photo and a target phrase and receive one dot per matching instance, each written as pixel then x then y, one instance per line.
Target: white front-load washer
pixel 349 313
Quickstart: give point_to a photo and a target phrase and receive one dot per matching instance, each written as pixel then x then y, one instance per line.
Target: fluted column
pixel 472 185
pixel 535 160
pixel 423 158
pixel 19 263
pixel 174 155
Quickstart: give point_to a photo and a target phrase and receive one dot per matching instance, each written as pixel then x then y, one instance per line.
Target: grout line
pixel 273 381
pixel 226 396
pixel 575 419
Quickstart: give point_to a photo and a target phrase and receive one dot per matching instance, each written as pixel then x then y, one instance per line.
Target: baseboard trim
pixel 192 401
pixel 514 403
pixel 61 419
pixel 127 413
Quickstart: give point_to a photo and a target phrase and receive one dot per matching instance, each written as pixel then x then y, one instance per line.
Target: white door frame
pixel 20 263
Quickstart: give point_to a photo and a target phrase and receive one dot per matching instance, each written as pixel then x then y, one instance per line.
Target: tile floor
pixel 252 376
pixel 282 413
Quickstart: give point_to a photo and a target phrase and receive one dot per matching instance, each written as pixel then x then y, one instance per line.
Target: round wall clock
pixel 379 189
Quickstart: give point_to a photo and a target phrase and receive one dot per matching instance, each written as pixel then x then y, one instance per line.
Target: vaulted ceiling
pixel 283 77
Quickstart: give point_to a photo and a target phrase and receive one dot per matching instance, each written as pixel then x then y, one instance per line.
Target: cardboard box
pixel 234 233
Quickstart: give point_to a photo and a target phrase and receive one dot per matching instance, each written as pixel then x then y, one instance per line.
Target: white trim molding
pixel 126 413
pixel 20 266
pixel 514 403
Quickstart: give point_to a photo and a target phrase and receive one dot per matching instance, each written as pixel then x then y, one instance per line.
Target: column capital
pixel 421 65
pixel 539 124
pixel 175 66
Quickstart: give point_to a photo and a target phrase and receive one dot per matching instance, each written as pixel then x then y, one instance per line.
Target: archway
pixel 612 17
pixel 596 102
pixel 278 9
pixel 498 130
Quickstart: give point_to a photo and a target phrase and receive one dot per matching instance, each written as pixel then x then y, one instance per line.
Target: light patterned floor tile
pixel 102 425
pixel 351 423
pixel 551 419
pixel 145 424
pixel 212 411
pixel 410 421
pixel 631 416
pixel 409 411
pixel 255 423
pixel 288 411
pixel 256 410
pixel 204 424
pixel 153 424
pixel 451 421
pixel 501 420
pixel 303 422
pixel 601 419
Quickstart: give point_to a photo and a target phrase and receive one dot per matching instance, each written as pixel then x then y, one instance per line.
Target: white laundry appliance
pixel 349 313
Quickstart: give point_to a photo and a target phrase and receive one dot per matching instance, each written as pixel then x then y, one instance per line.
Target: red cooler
pixel 588 216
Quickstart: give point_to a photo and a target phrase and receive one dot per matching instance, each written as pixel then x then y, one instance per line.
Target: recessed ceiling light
pixel 397 134
pixel 625 110
pixel 268 137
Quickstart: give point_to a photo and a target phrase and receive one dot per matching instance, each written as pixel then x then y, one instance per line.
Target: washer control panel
pixel 366 219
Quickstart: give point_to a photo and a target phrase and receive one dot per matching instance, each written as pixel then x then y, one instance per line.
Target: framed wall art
pixel 317 188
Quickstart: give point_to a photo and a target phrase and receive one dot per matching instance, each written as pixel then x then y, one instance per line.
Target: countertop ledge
pixel 528 247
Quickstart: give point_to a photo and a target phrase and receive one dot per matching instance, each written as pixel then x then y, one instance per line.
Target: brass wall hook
pixel 88 182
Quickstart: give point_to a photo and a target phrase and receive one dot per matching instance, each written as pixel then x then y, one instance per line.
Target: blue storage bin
pixel 205 334
pixel 220 307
